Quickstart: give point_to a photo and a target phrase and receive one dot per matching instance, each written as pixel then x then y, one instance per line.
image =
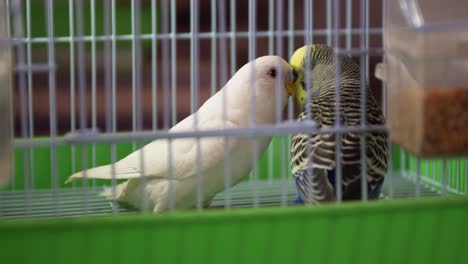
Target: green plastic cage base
pixel 414 231
pixel 427 230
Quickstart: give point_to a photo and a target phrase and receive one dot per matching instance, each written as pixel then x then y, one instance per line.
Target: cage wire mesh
pixel 96 80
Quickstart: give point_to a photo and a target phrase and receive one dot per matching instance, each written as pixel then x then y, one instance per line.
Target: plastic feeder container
pixel 426 71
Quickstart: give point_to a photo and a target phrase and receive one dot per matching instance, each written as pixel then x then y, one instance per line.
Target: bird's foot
pixel 299 200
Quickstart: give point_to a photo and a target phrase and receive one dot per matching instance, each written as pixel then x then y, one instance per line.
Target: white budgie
pixel 268 71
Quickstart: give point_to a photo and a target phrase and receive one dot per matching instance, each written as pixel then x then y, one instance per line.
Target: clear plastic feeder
pixel 426 72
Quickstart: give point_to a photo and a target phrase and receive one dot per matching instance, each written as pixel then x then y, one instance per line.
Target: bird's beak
pixel 290 86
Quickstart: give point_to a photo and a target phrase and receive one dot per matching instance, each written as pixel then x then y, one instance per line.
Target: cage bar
pixel 30 92
pixel 290 51
pixel 223 78
pixel 194 94
pixel 363 102
pixel 81 61
pixel 174 62
pixel 271 44
pixel 214 48
pixel 154 66
pixel 233 34
pixel 93 81
pixel 113 102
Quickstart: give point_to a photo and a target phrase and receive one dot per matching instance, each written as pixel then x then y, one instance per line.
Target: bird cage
pixel 94 81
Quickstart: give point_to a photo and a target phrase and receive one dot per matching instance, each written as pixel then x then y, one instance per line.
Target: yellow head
pixel 316 66
pixel 297 62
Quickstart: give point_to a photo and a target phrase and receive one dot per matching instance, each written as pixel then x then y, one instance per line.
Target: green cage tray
pixel 82 228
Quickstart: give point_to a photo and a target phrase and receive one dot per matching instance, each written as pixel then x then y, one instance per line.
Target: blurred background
pixel 39 81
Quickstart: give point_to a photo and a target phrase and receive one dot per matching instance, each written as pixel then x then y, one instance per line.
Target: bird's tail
pixel 102 172
pixel 120 171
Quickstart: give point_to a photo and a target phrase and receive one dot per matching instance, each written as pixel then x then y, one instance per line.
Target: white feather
pixel 184 150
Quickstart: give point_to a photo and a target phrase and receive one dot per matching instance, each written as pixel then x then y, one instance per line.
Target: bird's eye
pixel 272 72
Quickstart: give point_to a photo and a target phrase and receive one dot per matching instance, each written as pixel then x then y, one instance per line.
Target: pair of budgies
pixel 313 166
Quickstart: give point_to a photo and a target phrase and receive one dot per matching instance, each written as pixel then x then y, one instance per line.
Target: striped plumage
pixel 313 164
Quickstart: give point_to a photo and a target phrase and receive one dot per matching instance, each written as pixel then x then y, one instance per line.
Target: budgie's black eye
pixel 303 85
pixel 272 73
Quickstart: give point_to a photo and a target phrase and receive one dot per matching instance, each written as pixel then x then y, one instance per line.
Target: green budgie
pixel 313 156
